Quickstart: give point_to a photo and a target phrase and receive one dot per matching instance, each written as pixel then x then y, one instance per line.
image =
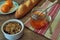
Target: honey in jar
pixel 39 23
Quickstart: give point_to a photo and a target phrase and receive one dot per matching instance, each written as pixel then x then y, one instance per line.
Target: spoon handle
pixel 49 6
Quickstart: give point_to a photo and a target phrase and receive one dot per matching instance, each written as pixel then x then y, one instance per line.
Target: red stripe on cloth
pixel 54 11
pixel 27 24
pixel 51 10
pixel 56 32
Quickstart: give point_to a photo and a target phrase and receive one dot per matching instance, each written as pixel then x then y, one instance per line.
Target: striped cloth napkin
pixel 53 25
pixel 53 12
pixel 55 19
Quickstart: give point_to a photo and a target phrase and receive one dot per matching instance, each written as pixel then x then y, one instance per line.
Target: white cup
pixel 13 36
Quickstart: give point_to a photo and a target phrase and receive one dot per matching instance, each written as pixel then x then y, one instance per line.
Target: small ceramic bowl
pixel 13 36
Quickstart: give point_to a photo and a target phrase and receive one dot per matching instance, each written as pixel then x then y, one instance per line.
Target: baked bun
pixel 7 6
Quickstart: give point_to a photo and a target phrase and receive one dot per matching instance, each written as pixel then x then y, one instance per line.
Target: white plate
pixel 14 8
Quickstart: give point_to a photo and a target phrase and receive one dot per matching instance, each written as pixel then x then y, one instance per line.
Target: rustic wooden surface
pixel 28 34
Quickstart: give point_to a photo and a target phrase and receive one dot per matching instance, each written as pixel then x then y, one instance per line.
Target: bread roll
pixel 25 7
pixel 7 6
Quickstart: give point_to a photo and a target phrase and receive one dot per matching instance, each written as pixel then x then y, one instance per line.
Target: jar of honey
pixel 40 22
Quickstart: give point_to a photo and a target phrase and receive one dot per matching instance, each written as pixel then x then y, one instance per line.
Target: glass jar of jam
pixel 40 21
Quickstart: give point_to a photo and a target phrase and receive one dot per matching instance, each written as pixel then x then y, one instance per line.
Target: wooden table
pixel 28 34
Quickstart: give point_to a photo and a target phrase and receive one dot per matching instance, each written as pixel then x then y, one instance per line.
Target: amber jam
pixel 40 23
